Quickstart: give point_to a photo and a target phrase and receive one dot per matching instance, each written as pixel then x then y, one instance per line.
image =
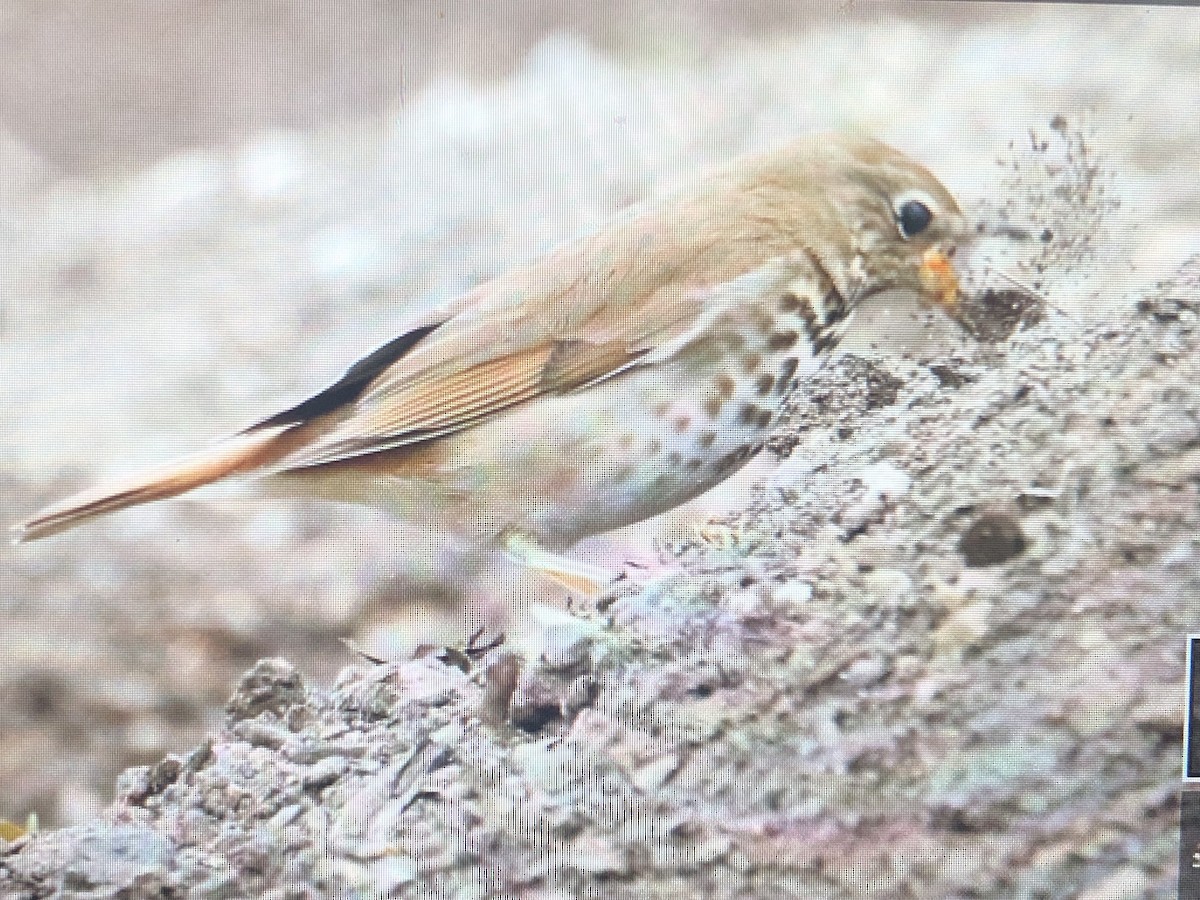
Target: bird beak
pixel 939 280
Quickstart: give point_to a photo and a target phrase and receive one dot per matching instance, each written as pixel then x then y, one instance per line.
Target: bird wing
pixel 584 314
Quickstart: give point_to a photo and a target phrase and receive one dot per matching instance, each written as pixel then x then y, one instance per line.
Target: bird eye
pixel 913 217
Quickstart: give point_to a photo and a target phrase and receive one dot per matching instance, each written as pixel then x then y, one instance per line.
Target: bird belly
pixel 564 468
pixel 568 467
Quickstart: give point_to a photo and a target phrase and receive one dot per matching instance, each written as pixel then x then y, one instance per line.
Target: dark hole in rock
pixel 993 315
pixel 949 376
pixel 534 718
pixel 992 539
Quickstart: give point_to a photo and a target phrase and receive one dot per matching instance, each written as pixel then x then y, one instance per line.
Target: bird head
pixel 907 227
pixel 874 218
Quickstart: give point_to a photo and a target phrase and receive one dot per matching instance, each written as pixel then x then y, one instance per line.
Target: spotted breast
pixel 661 434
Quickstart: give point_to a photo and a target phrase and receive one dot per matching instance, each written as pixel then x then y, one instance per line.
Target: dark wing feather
pixel 351 385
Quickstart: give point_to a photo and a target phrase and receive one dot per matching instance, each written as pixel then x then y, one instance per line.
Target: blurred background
pixel 210 208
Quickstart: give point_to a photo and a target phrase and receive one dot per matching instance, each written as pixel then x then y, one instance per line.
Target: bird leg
pixel 579 577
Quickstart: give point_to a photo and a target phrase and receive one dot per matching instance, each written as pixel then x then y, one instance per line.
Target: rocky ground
pixel 937 651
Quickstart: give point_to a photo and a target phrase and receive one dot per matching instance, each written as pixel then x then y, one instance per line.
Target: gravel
pixel 927 709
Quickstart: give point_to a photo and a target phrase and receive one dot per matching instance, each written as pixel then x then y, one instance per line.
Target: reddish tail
pixel 240 454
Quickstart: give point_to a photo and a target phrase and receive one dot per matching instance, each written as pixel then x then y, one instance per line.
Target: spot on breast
pixel 763 321
pixel 749 414
pixel 782 340
pixel 764 384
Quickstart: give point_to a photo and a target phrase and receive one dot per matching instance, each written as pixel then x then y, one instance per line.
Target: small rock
pixel 889 585
pixel 964 627
pixel 500 676
pixel 565 640
pixel 307 751
pixel 449 735
pixel 650 777
pixel 271 685
pixel 884 479
pixel 261 734
pixel 867 671
pixel 1124 884
pixel 325 772
pixel 793 593
pixel 285 816
pixel 744 603
pixel 950 376
pixel 994 315
pixel 104 860
pixel 428 682
pixel 563 651
pixel 199 757
pixel 391 872
pixel 1158 711
pixel 1170 470
pixel 133 785
pixel 597 857
pixel 163 773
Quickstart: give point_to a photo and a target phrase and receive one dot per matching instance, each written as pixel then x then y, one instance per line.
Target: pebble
pixel 864 672
pixel 964 627
pixel 325 772
pixel 272 685
pixel 286 816
pixel 653 775
pixel 885 479
pixel 889 585
pixel 793 592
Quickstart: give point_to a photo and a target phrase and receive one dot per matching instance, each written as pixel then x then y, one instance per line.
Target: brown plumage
pixel 529 406
pixel 239 454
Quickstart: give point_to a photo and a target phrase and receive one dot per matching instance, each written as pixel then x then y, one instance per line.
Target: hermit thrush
pixel 619 376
